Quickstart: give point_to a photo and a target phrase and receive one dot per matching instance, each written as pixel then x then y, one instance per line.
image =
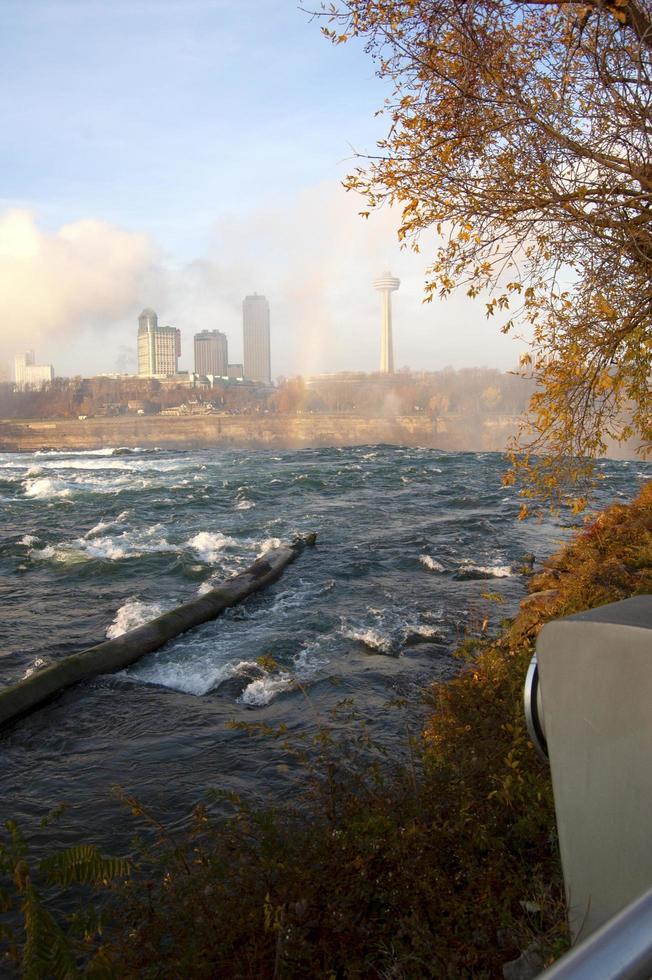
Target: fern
pixel 46 952
pixel 83 865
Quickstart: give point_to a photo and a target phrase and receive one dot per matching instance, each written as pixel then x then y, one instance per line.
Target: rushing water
pixel 95 543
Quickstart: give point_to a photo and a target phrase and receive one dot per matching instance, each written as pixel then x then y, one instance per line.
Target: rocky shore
pixel 489 432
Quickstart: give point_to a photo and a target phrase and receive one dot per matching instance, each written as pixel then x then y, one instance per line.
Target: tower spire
pixel 386 285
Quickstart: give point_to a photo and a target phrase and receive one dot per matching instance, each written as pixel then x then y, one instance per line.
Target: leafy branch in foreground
pixel 519 130
pixel 42 948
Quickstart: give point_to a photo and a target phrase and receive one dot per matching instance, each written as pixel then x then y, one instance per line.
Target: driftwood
pixel 112 655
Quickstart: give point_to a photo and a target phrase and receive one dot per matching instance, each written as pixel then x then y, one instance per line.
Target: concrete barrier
pixel 112 655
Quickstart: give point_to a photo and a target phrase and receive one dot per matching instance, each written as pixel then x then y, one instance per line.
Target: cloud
pixel 55 285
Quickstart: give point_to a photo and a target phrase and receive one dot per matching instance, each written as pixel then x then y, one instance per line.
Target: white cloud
pixel 55 285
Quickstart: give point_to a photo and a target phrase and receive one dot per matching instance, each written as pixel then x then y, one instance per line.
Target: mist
pixel 312 255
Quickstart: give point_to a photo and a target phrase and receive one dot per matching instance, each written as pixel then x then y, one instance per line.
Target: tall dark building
pixel 211 353
pixel 255 330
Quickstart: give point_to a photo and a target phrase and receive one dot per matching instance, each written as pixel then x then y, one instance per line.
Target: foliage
pixel 519 130
pixel 45 949
pixel 444 865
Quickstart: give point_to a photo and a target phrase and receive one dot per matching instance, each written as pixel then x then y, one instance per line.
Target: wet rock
pixel 234 686
pixel 413 639
pixel 544 580
pixel 527 966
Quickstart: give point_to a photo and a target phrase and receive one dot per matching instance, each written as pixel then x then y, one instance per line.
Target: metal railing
pixel 620 950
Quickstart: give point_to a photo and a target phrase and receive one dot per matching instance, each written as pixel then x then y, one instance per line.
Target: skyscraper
pixel 211 353
pixel 158 347
pixel 255 331
pixel 386 284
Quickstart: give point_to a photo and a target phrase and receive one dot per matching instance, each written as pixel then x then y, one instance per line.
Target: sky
pixel 181 154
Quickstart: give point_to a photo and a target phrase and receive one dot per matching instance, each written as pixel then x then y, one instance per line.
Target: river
pixel 93 543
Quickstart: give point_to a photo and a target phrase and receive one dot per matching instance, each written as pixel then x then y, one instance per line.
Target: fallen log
pixel 112 655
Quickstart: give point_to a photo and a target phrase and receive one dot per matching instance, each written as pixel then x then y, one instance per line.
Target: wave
pixel 208 545
pixel 423 633
pixel 468 570
pixel 44 487
pixel 183 668
pixel 371 638
pixel 132 614
pixel 129 544
pixel 29 540
pixel 107 451
pixel 260 692
pixel 306 665
pixel 267 545
pixel 104 451
pixel 42 554
pixel 105 525
pixel 431 564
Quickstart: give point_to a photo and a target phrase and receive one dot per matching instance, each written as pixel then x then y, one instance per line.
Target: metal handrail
pixel 620 950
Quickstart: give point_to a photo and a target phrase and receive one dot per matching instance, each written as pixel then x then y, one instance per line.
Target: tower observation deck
pixel 386 285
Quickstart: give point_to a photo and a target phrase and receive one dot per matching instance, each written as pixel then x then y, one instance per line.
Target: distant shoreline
pixel 487 432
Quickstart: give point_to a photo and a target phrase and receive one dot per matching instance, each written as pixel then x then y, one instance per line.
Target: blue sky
pixel 216 134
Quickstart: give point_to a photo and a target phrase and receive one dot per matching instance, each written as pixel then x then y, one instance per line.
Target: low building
pixel 31 375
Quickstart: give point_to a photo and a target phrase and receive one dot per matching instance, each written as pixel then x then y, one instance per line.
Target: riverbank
pixel 444 866
pixel 265 431
pixel 485 432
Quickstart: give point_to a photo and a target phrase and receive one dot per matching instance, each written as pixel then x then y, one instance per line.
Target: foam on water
pixel 29 540
pixel 261 691
pixel 42 554
pixel 469 569
pixel 306 665
pixel 106 451
pixel 46 486
pixel 129 544
pixel 371 638
pixel 38 664
pixel 104 547
pixel 208 545
pixel 132 614
pixel 102 526
pixel 268 544
pixel 431 563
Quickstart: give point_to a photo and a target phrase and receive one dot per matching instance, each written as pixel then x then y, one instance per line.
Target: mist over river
pixel 95 543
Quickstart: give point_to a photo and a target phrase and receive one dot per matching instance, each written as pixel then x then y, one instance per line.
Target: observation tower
pixel 386 285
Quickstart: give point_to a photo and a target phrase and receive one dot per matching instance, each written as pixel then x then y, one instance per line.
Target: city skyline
pixel 90 233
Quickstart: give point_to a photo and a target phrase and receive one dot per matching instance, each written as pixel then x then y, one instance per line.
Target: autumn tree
pixel 520 131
